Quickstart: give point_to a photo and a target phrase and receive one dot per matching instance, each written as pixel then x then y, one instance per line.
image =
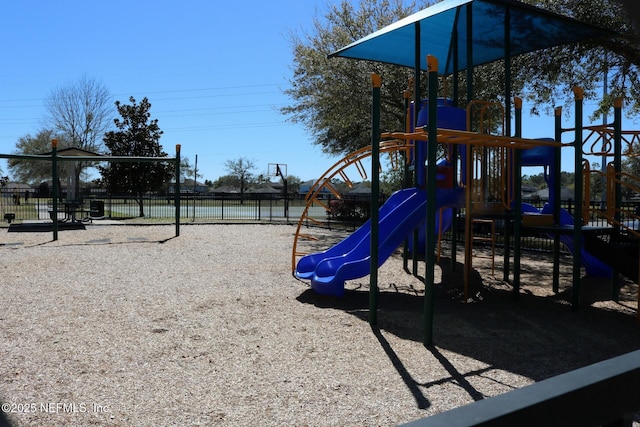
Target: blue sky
pixel 214 73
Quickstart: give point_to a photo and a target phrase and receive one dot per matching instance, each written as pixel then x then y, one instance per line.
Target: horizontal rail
pixel 43 157
pixel 600 394
pixel 448 136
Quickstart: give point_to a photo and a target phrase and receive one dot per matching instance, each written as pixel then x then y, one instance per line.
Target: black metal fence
pixel 250 207
pixel 347 213
pixel 350 213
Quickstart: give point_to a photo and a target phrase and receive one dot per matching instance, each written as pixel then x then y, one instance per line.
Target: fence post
pixel 270 210
pixel 329 212
pixel 177 190
pixel 54 184
pixel 375 190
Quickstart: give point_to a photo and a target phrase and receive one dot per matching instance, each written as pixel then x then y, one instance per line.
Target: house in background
pixel 265 190
pixel 527 191
pixel 189 186
pixel 306 186
pixel 565 194
pixel 194 186
pixel 224 190
pixel 359 191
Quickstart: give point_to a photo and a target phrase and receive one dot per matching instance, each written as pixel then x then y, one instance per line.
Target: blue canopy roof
pixel 529 29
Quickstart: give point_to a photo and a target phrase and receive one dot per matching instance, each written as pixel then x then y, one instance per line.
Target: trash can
pixel 96 209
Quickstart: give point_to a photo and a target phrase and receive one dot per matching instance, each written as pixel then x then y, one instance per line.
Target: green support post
pixel 577 213
pixel 557 168
pixel 469 50
pixel 507 245
pixel 177 190
pixel 507 69
pixel 376 82
pixel 617 159
pixel 414 255
pixel 517 214
pixel 617 165
pixel 54 185
pixel 406 96
pixel 417 103
pixel 454 154
pixel 507 232
pixel 430 249
pixel 469 148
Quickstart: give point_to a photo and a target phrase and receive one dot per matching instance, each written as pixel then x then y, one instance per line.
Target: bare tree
pixel 82 112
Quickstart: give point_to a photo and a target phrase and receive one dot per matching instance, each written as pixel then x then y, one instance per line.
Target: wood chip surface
pixel 131 326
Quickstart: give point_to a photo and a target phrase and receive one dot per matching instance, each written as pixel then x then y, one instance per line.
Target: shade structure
pixel 451 29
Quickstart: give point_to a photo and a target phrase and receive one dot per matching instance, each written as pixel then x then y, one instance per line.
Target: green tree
pixel 188 170
pixel 33 172
pixel 631 170
pixel 537 180
pixel 596 183
pixel 567 179
pixel 331 97
pixel 240 171
pixel 293 185
pixel 225 180
pixel 551 74
pixel 391 180
pixel 136 135
pixel 631 166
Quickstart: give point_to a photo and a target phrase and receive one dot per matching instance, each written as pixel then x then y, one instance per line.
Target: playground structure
pixel 490 191
pixel 486 167
pixel 54 158
pixel 489 177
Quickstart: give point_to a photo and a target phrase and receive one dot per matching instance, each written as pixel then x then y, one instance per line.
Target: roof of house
pixel 264 189
pixel 74 151
pixel 16 186
pixel 226 189
pixel 565 193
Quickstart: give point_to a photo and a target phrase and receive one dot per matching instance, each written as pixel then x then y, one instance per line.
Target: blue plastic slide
pixel 592 265
pixel 544 156
pixel 350 259
pixel 307 265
